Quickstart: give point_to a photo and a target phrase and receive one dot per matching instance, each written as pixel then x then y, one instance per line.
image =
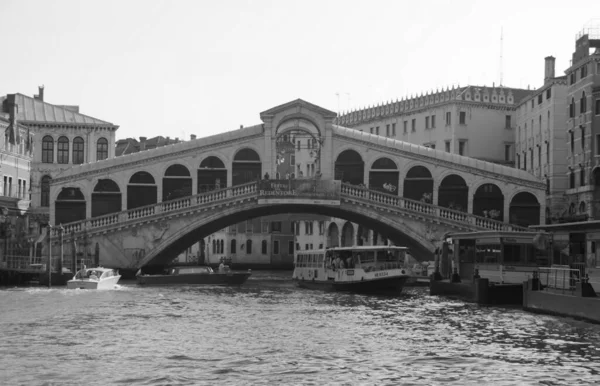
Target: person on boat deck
pixel 349 262
pixel 222 266
pixel 93 275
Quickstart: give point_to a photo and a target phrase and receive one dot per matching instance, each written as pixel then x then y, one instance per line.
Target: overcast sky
pixel 176 68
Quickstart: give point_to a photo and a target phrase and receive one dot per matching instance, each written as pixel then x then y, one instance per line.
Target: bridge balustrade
pixel 250 190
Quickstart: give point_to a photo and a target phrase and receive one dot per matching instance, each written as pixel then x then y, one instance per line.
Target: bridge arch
pixel 176 182
pixel 70 205
pixel 106 197
pixel 348 235
pixel 141 190
pixel 246 166
pixel 349 167
pixel 524 209
pixel 283 124
pixel 212 174
pixel 453 193
pixel 418 184
pixel 333 235
pixel 384 176
pixel 396 230
pixel 488 201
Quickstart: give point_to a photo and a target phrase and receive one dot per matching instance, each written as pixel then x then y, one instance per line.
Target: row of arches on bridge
pixel 384 176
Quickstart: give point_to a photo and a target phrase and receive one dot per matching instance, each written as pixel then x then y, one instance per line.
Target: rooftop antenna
pixel 501 49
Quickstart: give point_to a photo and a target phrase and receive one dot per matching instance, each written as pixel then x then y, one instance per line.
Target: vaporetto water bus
pixel 358 269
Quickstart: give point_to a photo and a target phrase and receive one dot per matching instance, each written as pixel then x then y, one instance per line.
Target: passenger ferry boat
pixel 500 256
pixel 357 269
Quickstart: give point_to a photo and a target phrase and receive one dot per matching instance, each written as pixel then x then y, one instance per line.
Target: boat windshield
pixel 197 270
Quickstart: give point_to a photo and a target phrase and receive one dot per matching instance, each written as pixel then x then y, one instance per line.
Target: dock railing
pixel 561 278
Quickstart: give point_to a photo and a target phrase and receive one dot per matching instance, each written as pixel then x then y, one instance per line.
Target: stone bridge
pixel 144 208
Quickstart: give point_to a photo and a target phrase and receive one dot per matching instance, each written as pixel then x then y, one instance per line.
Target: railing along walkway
pixel 250 190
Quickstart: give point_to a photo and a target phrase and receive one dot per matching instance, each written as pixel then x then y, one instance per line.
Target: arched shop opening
pixel 106 198
pixel 69 206
pixel 453 193
pixel 524 210
pixel 177 183
pixel 347 234
pixel 333 235
pixel 350 168
pixel 418 184
pixel 141 190
pixel 383 176
pixel 488 201
pixel 246 167
pixel 212 175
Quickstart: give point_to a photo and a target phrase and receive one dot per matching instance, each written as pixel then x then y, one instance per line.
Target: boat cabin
pixel 94 274
pixel 503 257
pixel 369 258
pixel 193 270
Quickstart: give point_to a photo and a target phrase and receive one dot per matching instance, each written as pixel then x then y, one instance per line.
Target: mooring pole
pixel 49 256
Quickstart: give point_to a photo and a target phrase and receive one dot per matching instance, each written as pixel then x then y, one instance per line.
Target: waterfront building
pixel 474 121
pixel 16 150
pixel 541 139
pixel 63 137
pixel 132 145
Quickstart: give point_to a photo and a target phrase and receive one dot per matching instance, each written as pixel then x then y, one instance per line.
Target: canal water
pixel 270 332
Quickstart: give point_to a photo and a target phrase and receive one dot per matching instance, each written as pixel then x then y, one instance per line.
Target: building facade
pixel 541 139
pixel 463 120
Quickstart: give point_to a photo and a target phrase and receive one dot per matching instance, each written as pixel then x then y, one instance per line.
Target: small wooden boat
pixel 94 278
pixel 194 275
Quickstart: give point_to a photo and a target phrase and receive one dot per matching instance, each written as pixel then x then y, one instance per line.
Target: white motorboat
pixel 94 278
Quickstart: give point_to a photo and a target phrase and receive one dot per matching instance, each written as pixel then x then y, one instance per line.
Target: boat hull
pixel 104 284
pixel 224 279
pixel 387 285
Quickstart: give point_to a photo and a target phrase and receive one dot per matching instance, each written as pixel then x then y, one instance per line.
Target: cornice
pixel 467 169
pixel 130 165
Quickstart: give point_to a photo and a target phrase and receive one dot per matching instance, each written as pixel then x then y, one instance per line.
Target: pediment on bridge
pixel 297 106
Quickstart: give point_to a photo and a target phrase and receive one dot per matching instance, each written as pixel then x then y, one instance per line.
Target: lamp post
pixel 50 255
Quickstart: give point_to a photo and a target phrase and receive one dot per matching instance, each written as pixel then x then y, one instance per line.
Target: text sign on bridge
pixel 308 191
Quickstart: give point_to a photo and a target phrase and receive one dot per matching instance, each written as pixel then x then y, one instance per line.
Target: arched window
pixel 264 247
pixel 63 150
pixel 582 207
pixel 214 246
pixel 583 103
pixel 45 191
pixel 101 149
pixel 248 247
pixel 222 246
pixel 47 150
pixel 233 246
pixel 78 151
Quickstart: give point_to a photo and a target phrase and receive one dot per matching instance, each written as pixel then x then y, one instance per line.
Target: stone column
pixel 506 208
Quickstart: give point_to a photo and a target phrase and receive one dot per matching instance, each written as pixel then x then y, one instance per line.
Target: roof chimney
pixel 549 68
pixel 40 95
pixel 192 136
pixel 241 126
pixel 143 143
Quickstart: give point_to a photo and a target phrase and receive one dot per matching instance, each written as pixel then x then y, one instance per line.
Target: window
pixel 433 121
pixel 298 246
pixel 264 247
pixel 463 118
pixel 507 152
pixel 448 118
pixel 265 226
pixel 248 247
pixel 47 150
pixel 531 157
pixel 306 247
pixel 582 176
pixel 572 80
pixel 405 127
pixel 276 247
pixel 447 144
pixel 571 180
pixel 508 123
pixel 77 151
pixel 249 226
pixel 297 226
pixel 63 150
pixel 377 130
pixel 597 144
pixel 572 108
pixel 539 156
pixel 548 93
pixel 370 129
pixel 45 191
pixel 583 138
pixel 426 122
pixel 583 103
pixel 275 226
pixel 518 161
pixel 540 99
pixel 233 246
pixel 299 144
pixel 293 160
pixel 321 227
pixel 387 130
pixel 292 226
pixel 308 227
pixel 584 71
pixel 102 149
pixel 461 147
pixel 290 247
pixel 413 125
pixel 393 129
pixel 572 138
pixel 597 108
pixel 524 160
